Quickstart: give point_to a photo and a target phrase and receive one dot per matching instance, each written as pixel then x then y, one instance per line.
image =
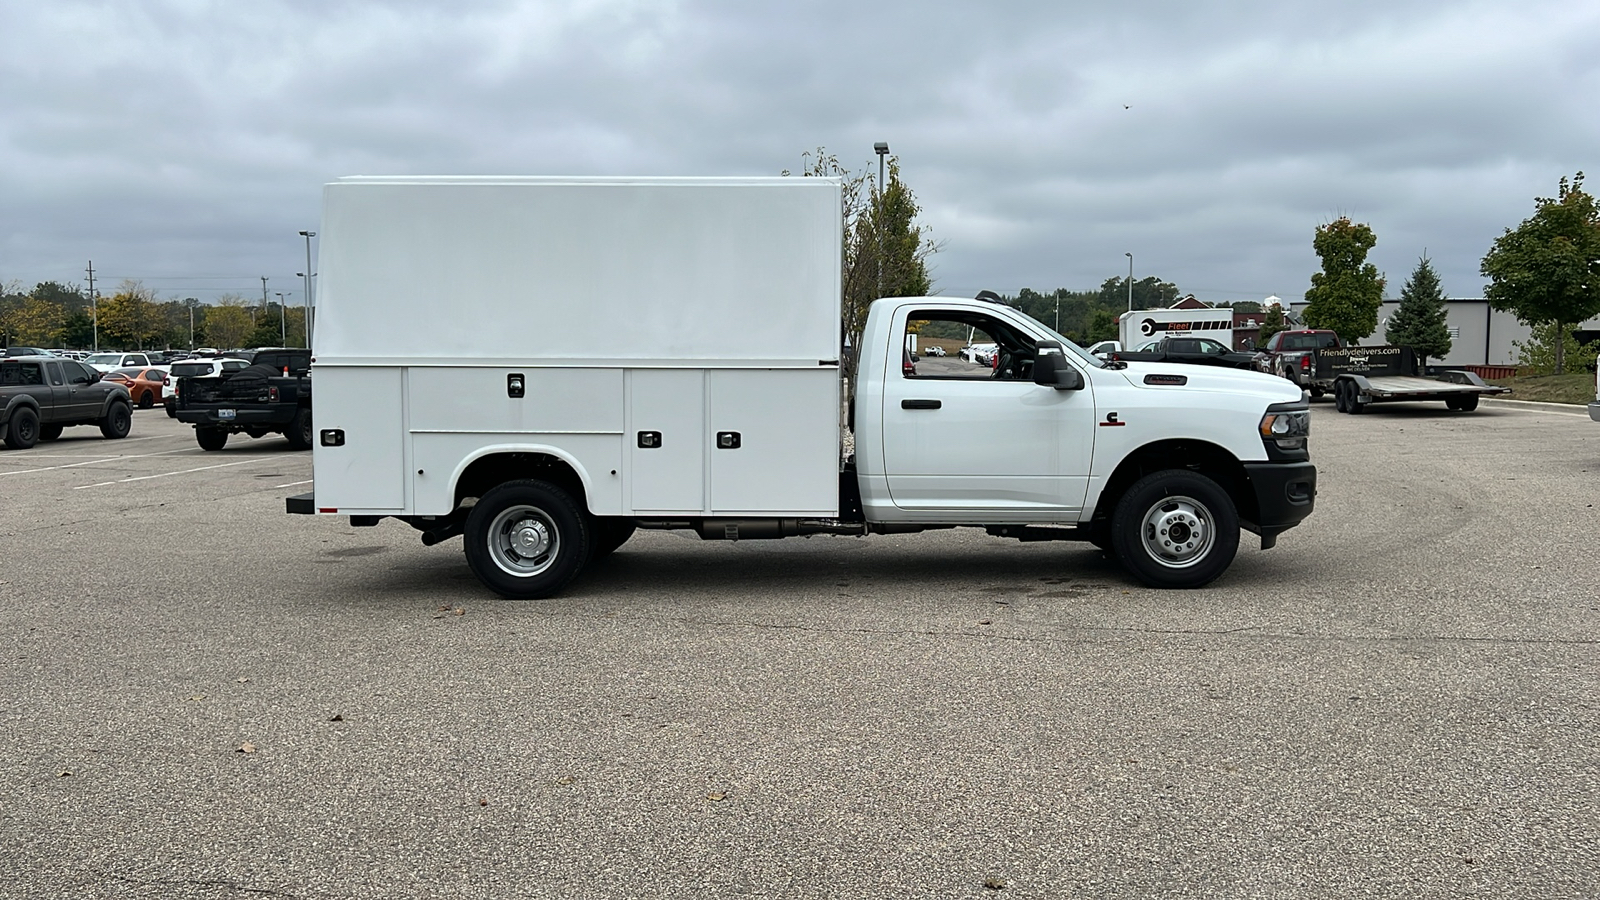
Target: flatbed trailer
pixel 1358 376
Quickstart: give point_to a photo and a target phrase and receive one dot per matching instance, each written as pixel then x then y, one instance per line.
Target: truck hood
pixel 1270 388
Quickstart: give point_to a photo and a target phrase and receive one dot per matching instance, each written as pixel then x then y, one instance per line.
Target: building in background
pixel 1479 334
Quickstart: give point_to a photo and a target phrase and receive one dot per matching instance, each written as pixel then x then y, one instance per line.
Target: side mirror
pixel 1051 369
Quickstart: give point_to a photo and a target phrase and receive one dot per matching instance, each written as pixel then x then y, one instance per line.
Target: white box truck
pixel 1141 326
pixel 544 365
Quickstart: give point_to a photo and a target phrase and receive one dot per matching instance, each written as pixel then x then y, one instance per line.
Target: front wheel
pixel 1175 529
pixel 526 539
pixel 146 400
pixel 211 438
pixel 117 422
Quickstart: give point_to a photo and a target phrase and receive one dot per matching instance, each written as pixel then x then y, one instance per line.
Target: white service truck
pixel 1141 326
pixel 544 365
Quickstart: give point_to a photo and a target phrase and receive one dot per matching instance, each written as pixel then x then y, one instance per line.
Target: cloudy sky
pixel 184 143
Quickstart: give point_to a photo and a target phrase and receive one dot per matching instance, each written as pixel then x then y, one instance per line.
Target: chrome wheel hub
pixel 523 541
pixel 1178 532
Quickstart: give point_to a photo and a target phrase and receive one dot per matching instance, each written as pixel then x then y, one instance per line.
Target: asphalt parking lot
pixel 204 697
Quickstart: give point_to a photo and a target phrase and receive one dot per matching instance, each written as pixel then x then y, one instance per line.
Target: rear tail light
pixel 272 394
pixel 1305 363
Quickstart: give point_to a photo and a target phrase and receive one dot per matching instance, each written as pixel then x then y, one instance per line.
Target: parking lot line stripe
pixel 294 483
pixel 242 462
pixel 92 461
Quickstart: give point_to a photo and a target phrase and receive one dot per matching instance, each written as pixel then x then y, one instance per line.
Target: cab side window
pixel 55 372
pixel 78 373
pixel 966 346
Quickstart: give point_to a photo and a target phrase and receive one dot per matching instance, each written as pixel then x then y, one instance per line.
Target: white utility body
pixel 546 364
pixel 1141 326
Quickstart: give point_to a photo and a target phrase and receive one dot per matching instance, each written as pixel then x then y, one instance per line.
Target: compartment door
pixel 368 471
pixel 666 414
pixel 786 423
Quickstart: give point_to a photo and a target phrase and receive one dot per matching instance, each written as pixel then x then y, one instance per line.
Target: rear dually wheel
pixel 526 540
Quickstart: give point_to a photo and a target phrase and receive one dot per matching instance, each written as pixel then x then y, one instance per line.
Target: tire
pixel 1341 400
pixel 607 534
pixel 211 438
pixel 299 431
pixel 1355 406
pixel 23 432
pixel 525 540
pixel 172 412
pixel 1316 393
pixel 1465 403
pixel 1175 529
pixel 49 432
pixel 146 400
pixel 117 422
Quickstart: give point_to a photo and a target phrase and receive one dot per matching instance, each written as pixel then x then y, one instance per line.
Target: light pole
pixel 882 149
pixel 190 302
pixel 1130 281
pixel 283 320
pixel 308 235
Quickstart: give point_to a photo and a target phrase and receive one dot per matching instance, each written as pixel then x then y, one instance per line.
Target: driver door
pixel 959 438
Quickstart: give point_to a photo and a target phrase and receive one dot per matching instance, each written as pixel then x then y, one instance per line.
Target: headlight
pixel 1286 426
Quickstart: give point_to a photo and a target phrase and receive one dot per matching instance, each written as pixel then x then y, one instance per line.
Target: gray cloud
pixel 185 142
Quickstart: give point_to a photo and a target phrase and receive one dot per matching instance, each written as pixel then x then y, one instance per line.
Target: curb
pixel 1578 408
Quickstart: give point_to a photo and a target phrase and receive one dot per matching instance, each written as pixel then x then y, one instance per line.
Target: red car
pixel 145 384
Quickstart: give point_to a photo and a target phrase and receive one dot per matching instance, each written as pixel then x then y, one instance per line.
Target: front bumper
pixel 1285 494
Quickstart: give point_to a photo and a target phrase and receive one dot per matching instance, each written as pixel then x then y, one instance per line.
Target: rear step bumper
pixel 301 504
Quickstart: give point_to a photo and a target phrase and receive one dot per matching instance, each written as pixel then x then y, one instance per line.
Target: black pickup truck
pixel 270 396
pixel 1198 350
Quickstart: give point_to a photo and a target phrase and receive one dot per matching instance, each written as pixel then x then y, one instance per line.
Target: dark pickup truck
pixel 1292 354
pixel 41 395
pixel 270 396
pixel 1202 351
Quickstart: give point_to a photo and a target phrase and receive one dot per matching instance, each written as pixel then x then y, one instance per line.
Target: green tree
pixel 885 251
pixel 71 297
pixel 1148 293
pixel 1271 323
pixel 31 321
pixel 228 324
pixel 1419 322
pixel 1345 296
pixel 1548 269
pixel 1102 327
pixel 130 318
pixel 77 330
pixel 1540 350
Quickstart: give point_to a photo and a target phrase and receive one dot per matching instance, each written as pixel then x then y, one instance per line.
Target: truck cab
pixel 1063 449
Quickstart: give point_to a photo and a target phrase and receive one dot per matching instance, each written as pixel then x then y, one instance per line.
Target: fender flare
pixel 504 449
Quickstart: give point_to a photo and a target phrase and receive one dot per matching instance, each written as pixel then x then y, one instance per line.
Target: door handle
pixel 920 404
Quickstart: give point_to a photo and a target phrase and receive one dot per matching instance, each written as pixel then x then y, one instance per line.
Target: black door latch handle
pixel 920 404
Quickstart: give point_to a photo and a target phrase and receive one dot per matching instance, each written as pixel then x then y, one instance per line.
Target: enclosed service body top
pixel 590 271
pixel 674 341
